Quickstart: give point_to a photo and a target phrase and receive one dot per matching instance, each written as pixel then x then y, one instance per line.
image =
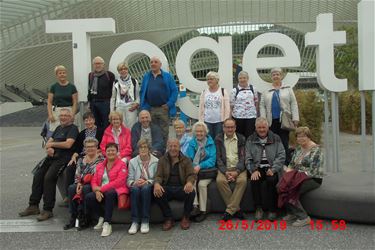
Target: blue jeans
pixel 214 129
pixel 100 110
pixel 140 203
pixel 73 205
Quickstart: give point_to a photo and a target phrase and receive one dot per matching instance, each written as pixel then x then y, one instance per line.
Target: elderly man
pixel 59 150
pixel 265 156
pixel 159 95
pixel 174 180
pixel 230 160
pixel 144 129
pixel 100 92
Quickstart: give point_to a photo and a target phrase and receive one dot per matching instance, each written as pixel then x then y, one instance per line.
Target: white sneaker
pixel 107 229
pixel 133 228
pixel 145 228
pixel 100 224
pixel 289 217
pixel 301 223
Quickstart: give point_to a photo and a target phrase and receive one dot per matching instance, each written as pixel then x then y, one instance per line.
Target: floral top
pixel 244 103
pixel 85 168
pixel 310 162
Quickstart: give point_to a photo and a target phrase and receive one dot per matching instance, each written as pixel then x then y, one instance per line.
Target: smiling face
pixel 123 71
pixel 262 129
pixel 111 153
pixel 200 133
pixel 229 128
pixel 143 150
pixel 116 121
pixel 61 75
pixel 65 117
pixel 145 119
pixel 89 123
pixel 276 76
pixel 212 82
pixel 155 64
pixel 180 129
pixel 302 139
pixel 173 148
pixel 91 149
pixel 98 65
pixel 243 80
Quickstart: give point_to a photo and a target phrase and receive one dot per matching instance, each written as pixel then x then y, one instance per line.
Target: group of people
pixel 117 160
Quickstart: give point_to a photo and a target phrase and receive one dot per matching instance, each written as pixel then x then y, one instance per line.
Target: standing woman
pixel 62 94
pixel 244 104
pixel 214 106
pixel 108 183
pixel 279 98
pixel 142 169
pixel 125 96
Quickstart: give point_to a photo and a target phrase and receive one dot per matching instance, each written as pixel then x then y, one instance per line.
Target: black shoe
pixel 239 215
pixel 71 224
pixel 201 217
pixel 227 216
pixel 195 212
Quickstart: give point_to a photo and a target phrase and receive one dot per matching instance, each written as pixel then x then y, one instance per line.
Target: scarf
pixel 94 86
pixel 124 86
pixel 201 152
pixel 144 169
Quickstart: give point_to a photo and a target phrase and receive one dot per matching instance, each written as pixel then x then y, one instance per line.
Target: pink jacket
pixel 125 145
pixel 225 106
pixel 117 177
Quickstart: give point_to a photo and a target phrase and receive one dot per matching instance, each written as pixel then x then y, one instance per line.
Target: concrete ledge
pixel 12 107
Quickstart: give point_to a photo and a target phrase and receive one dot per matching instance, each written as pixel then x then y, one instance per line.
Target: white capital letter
pixel 222 49
pixel 81 45
pixel 324 39
pixel 291 58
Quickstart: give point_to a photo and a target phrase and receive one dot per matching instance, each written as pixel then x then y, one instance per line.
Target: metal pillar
pixel 335 131
pixel 363 131
pixel 373 130
pixel 326 134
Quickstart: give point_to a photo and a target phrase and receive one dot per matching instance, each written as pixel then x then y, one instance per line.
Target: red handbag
pixel 123 201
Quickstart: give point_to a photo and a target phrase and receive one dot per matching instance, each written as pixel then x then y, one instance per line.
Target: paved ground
pixel 21 149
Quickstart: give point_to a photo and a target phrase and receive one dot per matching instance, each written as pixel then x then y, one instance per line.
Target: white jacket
pixel 116 94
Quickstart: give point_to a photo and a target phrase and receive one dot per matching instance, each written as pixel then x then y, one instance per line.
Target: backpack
pixel 239 90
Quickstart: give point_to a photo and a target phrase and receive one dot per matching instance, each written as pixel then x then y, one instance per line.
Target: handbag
pixel 123 201
pixel 209 173
pixel 286 121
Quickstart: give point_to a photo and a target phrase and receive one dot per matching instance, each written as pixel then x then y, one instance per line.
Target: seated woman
pixel 182 135
pixel 116 132
pixel 202 152
pixel 108 182
pixel 85 170
pixel 142 169
pixel 303 174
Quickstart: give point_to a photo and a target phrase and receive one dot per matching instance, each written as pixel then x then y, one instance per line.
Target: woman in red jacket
pixel 116 132
pixel 108 183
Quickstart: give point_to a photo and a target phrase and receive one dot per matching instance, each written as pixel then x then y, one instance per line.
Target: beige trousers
pixel 202 197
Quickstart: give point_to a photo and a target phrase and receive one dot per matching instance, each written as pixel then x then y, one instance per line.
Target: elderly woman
pixel 85 170
pixel 182 135
pixel 214 106
pixel 108 182
pixel 303 174
pixel 279 98
pixel 125 95
pixel 62 94
pixel 244 104
pixel 202 152
pixel 142 170
pixel 116 132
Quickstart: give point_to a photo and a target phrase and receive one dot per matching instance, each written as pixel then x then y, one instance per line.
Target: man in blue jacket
pixel 159 95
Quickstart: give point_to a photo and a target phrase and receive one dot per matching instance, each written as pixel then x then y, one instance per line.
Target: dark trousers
pixel 74 204
pixel 297 209
pixel 100 110
pixel 94 207
pixel 245 127
pixel 70 174
pixel 175 193
pixel 214 129
pixel 141 203
pixel 44 183
pixel 270 199
pixel 284 136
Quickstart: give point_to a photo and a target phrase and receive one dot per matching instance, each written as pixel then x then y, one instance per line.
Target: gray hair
pixel 98 58
pixel 144 112
pixel 243 73
pixel 214 75
pixel 90 140
pixel 276 70
pixel 179 122
pixel 261 120
pixel 200 124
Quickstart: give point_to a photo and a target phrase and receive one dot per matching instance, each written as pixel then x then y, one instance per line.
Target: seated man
pixel 144 129
pixel 265 156
pixel 59 151
pixel 174 180
pixel 230 160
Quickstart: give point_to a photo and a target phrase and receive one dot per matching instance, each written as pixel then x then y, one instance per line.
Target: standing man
pixel 159 95
pixel 265 157
pixel 59 149
pixel 230 160
pixel 100 92
pixel 174 180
